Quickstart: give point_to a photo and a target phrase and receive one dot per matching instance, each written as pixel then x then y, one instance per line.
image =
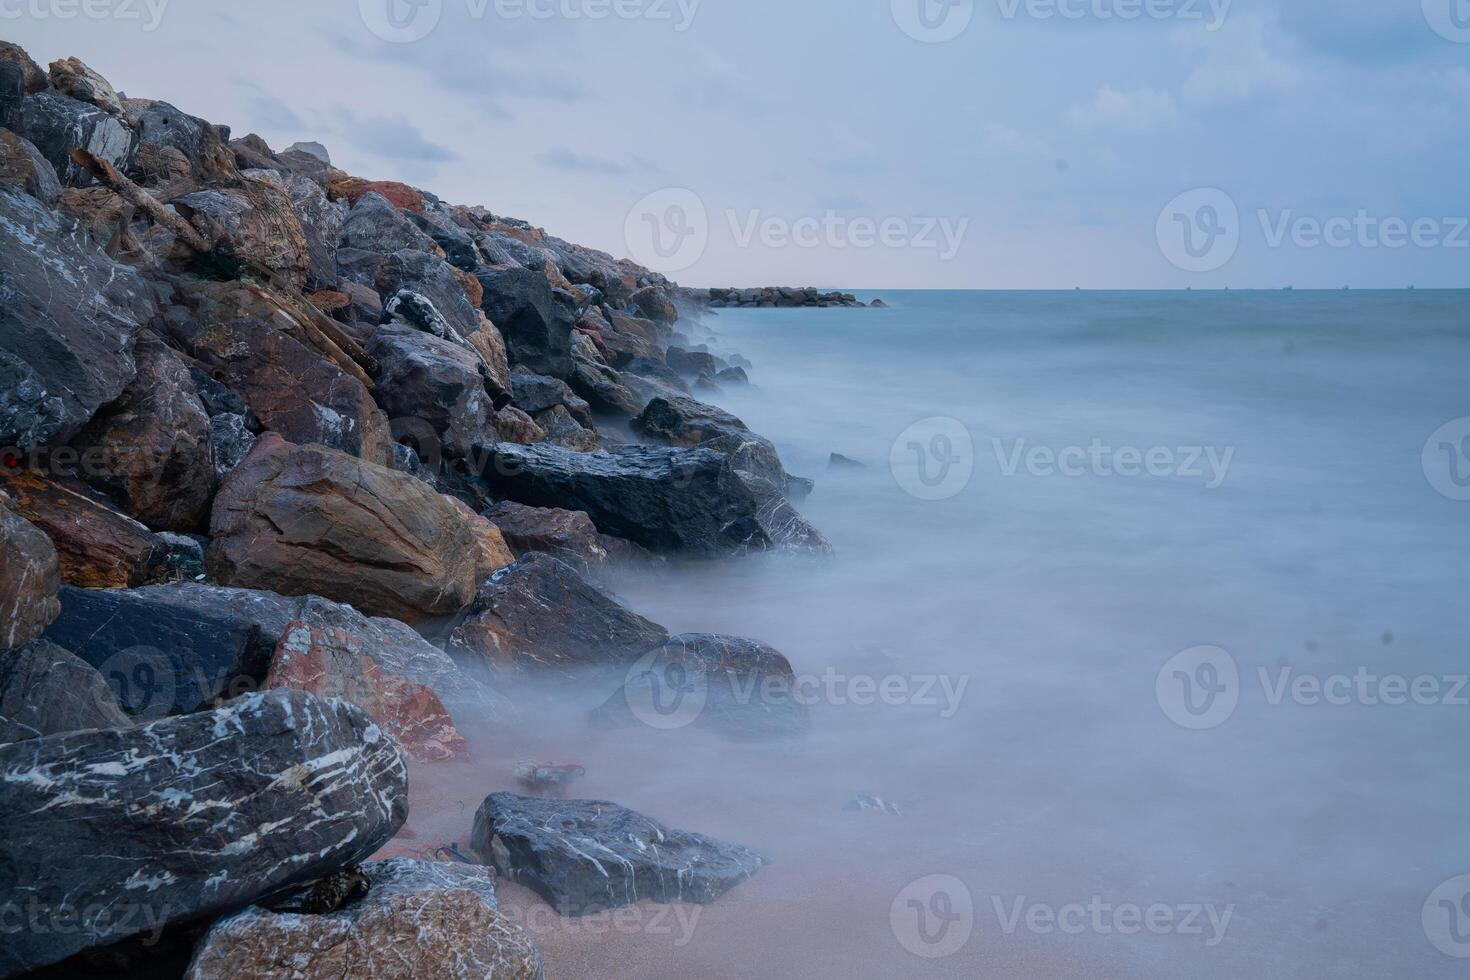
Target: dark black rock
pixel 435 382
pixel 534 393
pixel 185 559
pixel 58 124
pixel 189 817
pixel 66 341
pixel 535 320
pixel 459 247
pixel 690 501
pixel 45 690
pixel 161 659
pixel 585 856
pixel 602 388
pixel 731 684
pixel 841 462
pixel 539 614
pixel 218 398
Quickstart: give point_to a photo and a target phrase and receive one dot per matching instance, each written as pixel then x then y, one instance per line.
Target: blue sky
pixel 1040 147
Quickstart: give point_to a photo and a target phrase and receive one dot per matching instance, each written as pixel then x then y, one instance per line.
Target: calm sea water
pixel 1283 518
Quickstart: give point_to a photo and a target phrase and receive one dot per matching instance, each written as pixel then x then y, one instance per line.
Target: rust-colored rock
pixel 472 288
pixel 29 579
pixel 73 78
pixel 150 449
pixel 329 300
pixel 97 547
pixel 567 534
pixel 303 520
pixel 97 208
pixel 259 226
pixel 494 553
pixel 330 663
pixel 418 921
pixel 516 426
pixel 299 382
pixel 354 189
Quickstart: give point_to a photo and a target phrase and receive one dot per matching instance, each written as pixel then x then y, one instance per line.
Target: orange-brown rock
pixel 418 921
pixel 299 382
pixel 353 189
pixel 495 554
pixel 29 580
pixel 97 547
pixel 472 288
pixel 150 449
pixel 329 300
pixel 329 662
pixel 516 426
pixel 98 209
pixel 304 520
pixel 72 77
pixel 23 166
pixel 259 226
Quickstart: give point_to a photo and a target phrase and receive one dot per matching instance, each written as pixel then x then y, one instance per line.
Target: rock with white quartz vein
pixel 419 921
pixel 117 833
pixel 585 856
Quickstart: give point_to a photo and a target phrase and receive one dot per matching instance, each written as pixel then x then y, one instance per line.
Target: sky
pixel 986 144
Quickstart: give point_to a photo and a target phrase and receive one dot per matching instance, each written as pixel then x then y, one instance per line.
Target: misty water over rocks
pixel 1002 665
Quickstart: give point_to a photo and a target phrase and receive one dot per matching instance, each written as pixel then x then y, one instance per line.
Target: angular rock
pixel 305 520
pixel 584 856
pixel 563 430
pixel 66 341
pixel 58 125
pixel 436 281
pixel 32 78
pixel 536 392
pixel 230 441
pixel 446 914
pixel 692 363
pixel 631 338
pixel 535 321
pixel 29 579
pixel 252 152
pixel 321 224
pixel 45 690
pixel 459 248
pixel 539 614
pixel 95 545
pixel 159 124
pixel 71 77
pixel 259 222
pixel 602 388
pixel 437 382
pixel 494 553
pixel 153 445
pixel 690 501
pixel 190 817
pixel 330 663
pixel 516 426
pixel 566 534
pixel 253 341
pixel 23 167
pixel 733 376
pixel 161 659
pixel 375 225
pixel 654 303
pixel 392 645
pixel 683 421
pixel 731 684
pixel 311 149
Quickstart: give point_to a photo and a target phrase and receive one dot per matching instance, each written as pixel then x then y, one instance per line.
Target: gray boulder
pixel 436 382
pixel 375 225
pixel 66 341
pixel 58 124
pixel 122 832
pixel 535 319
pixel 45 690
pixel 585 856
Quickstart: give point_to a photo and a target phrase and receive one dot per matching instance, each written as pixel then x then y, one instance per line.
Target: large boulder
pixel 535 320
pixel 297 381
pixel 45 690
pixel 304 520
pixel 733 685
pixel 23 167
pixel 436 382
pixel 72 77
pixel 391 645
pixel 162 659
pixel 96 546
pixel 259 226
pixel 58 124
pixel 197 141
pixel 29 579
pixel 566 534
pixel 417 920
pixel 66 341
pixel 321 225
pixel 585 856
pixel 654 303
pixel 375 225
pixel 539 614
pixel 124 832
pixel 677 420
pixel 331 663
pixel 690 501
pixel 153 446
pixel 494 553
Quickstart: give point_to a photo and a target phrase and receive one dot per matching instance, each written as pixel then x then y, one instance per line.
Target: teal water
pixel 1323 548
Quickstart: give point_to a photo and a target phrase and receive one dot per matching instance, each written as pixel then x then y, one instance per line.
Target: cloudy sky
pixel 864 143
